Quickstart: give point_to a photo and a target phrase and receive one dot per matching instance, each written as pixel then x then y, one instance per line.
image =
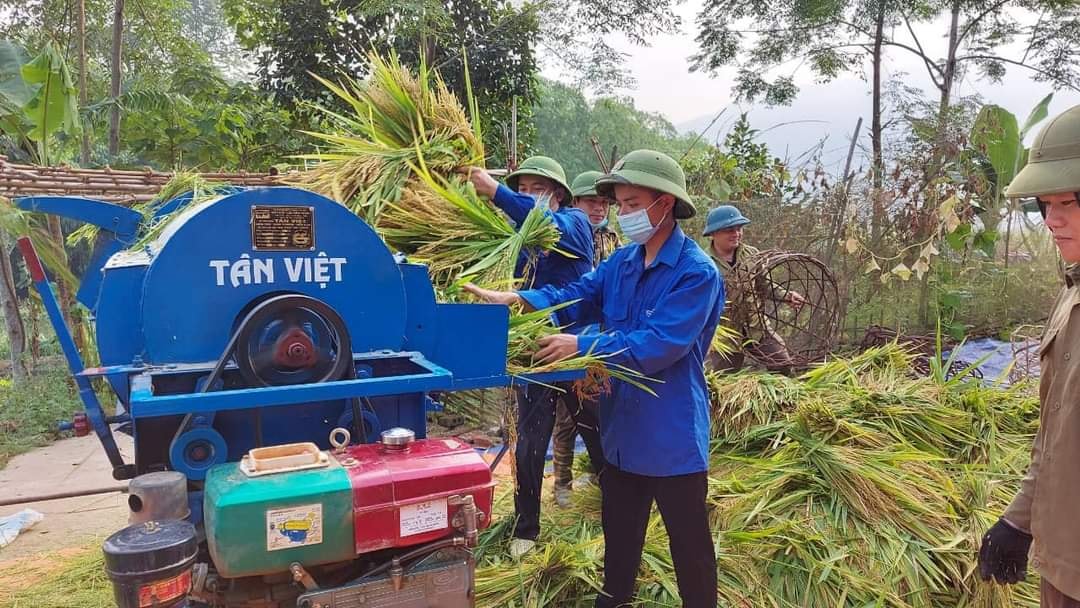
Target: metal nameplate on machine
pixel 282 228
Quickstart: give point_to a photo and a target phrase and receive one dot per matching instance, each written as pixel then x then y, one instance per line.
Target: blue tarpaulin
pixel 999 355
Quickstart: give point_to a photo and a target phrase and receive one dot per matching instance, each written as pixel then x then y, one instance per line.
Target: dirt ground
pixel 21 573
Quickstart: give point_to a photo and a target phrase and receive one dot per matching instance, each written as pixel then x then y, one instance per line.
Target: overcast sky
pixel 688 99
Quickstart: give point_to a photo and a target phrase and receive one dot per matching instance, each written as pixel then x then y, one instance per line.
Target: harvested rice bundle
pixel 394 160
pixel 445 225
pixel 399 121
pixel 526 329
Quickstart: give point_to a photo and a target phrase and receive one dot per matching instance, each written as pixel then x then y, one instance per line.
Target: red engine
pixel 412 493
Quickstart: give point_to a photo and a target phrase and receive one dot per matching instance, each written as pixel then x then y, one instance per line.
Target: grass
pixel 29 413
pixel 71 578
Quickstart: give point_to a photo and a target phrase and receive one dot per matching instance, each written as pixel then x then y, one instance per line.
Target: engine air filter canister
pixel 150 563
pixel 162 495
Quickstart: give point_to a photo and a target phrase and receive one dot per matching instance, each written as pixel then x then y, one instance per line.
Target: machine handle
pixel 114 218
pixel 33 263
pixel 94 412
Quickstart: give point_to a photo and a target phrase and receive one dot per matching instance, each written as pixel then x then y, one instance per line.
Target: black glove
pixel 1004 554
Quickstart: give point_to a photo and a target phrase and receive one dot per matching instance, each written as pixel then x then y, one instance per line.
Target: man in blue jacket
pixel 540 182
pixel 660 301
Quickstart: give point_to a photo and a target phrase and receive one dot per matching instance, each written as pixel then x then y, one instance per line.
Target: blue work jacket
pixel 552 268
pixel 659 321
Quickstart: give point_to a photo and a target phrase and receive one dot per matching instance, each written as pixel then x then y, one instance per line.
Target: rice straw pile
pixel 855 485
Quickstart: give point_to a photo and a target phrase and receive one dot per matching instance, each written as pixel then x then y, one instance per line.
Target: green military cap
pixel 1053 163
pixel 541 166
pixel 585 184
pixel 650 169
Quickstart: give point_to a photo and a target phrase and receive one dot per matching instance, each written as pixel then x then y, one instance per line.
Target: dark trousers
pixel 562 444
pixel 770 351
pixel 536 419
pixel 627 503
pixel 586 417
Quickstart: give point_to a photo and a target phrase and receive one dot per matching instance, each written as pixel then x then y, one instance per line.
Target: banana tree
pixel 37 100
pixel 998 153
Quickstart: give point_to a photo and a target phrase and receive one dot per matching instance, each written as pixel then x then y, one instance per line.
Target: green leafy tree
pixel 996 154
pixel 565 123
pixel 160 37
pixel 837 37
pixel 829 36
pixel 157 39
pixel 206 123
pixel 297 38
pixel 38 99
pixel 739 171
pixel 573 33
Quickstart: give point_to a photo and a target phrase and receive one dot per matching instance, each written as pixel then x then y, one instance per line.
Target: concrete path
pixel 68 465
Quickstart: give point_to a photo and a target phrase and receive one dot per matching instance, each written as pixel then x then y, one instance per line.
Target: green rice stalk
pixel 526 330
pixel 444 224
pixel 398 120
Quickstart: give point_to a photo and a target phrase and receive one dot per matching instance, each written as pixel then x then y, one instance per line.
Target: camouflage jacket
pixel 740 310
pixel 605 242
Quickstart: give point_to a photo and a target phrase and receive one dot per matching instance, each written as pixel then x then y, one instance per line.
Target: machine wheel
pixel 194 451
pixel 292 339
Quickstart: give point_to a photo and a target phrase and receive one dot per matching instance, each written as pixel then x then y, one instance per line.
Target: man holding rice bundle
pixel 660 300
pixel 539 182
pixel 574 416
pixel 1042 518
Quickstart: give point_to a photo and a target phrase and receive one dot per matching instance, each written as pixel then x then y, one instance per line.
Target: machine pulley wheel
pixel 292 339
pixel 194 451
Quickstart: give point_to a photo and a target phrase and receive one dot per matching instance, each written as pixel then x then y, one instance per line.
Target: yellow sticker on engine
pixel 294 527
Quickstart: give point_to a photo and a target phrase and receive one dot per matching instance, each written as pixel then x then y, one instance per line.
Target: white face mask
pixel 543 201
pixel 637 226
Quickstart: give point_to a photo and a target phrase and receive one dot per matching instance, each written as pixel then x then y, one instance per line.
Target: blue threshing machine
pixel 275 360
